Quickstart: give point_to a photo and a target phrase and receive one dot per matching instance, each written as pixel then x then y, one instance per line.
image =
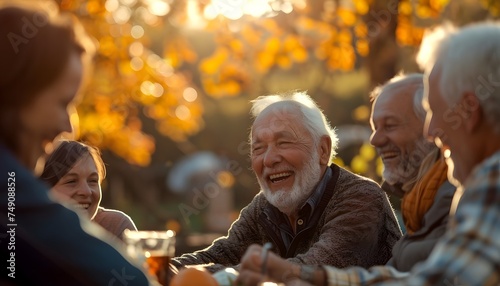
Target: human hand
pixel 277 269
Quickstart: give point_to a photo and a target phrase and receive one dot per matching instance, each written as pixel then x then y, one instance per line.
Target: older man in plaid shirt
pixel 462 101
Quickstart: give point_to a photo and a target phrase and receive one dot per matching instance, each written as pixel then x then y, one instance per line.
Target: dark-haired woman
pixel 74 171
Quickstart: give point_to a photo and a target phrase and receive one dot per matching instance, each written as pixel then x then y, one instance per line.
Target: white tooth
pixel 389 154
pixel 272 177
pixel 82 206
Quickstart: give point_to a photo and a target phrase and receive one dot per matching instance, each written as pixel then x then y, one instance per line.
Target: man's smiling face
pixel 284 156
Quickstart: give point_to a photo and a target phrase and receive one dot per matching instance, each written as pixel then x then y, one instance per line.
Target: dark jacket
pixel 49 243
pixel 411 249
pixel 353 224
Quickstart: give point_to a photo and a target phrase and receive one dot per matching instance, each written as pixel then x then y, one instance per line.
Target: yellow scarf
pixel 421 197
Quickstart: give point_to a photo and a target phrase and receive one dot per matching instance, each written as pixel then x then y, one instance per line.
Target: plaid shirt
pixel 469 252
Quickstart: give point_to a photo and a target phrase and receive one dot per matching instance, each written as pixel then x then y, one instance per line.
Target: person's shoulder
pixel 258 199
pixel 10 166
pixel 350 184
pixel 486 168
pixel 483 184
pixel 111 214
pixel 258 202
pixel 256 207
pixel 114 221
pixel 29 191
pixel 348 177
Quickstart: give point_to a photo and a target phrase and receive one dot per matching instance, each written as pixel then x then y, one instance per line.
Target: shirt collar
pixel 315 197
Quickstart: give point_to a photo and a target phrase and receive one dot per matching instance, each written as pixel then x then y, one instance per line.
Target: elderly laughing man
pixel 413 167
pixel 311 210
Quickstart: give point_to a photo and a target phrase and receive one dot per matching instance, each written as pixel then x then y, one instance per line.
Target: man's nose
pixel 377 139
pixel 272 156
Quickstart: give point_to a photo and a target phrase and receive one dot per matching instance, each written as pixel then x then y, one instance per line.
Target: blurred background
pixel 167 98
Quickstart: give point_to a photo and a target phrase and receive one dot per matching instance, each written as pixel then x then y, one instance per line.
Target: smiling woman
pixel 75 171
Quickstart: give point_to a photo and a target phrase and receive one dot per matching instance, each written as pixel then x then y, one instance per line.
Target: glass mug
pixel 153 249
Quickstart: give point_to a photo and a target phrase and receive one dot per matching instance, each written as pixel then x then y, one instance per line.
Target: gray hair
pixel 411 83
pixel 313 118
pixel 469 60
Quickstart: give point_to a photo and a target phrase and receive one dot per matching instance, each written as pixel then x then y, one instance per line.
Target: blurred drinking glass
pixel 153 249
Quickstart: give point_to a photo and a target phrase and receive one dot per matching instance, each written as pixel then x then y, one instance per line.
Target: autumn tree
pixel 146 63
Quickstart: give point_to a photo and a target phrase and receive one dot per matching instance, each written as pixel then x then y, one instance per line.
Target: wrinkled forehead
pixel 277 113
pixel 278 117
pixel 394 100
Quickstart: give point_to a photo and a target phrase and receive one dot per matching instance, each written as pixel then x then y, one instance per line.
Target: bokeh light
pixel 190 94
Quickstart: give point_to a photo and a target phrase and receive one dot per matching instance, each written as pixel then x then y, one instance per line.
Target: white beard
pixel 288 201
pixel 409 164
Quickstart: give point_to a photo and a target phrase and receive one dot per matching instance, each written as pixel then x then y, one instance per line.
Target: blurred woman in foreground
pixel 46 243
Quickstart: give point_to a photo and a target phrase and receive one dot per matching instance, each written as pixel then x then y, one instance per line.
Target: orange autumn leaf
pixel 362 47
pixel 347 17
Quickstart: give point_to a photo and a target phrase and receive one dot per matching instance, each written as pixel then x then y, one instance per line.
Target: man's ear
pixel 325 145
pixel 474 112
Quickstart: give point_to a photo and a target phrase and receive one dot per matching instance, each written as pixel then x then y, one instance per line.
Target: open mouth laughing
pixel 389 155
pixel 278 177
pixel 84 206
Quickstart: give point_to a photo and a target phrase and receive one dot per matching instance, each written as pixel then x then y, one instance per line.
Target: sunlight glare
pixel 235 9
pixel 193 14
pixel 136 63
pixel 136 49
pixel 112 5
pixel 165 69
pixel 129 2
pixel 287 7
pixel 257 8
pixel 146 86
pixel 122 15
pixel 231 9
pixel 154 60
pixel 300 4
pixel 146 16
pixel 137 32
pixel 182 112
pixel 209 12
pixel 159 8
pixel 234 14
pixel 156 90
pixel 190 94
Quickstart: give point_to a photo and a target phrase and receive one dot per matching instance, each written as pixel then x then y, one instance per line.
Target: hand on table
pixel 276 268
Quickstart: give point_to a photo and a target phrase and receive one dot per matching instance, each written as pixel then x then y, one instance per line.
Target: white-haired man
pixel 462 101
pixel 413 167
pixel 312 212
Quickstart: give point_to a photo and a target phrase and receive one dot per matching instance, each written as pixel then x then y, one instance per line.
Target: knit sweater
pixel 356 226
pixel 114 221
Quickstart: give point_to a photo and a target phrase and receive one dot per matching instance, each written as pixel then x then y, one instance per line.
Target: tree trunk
pixel 381 22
